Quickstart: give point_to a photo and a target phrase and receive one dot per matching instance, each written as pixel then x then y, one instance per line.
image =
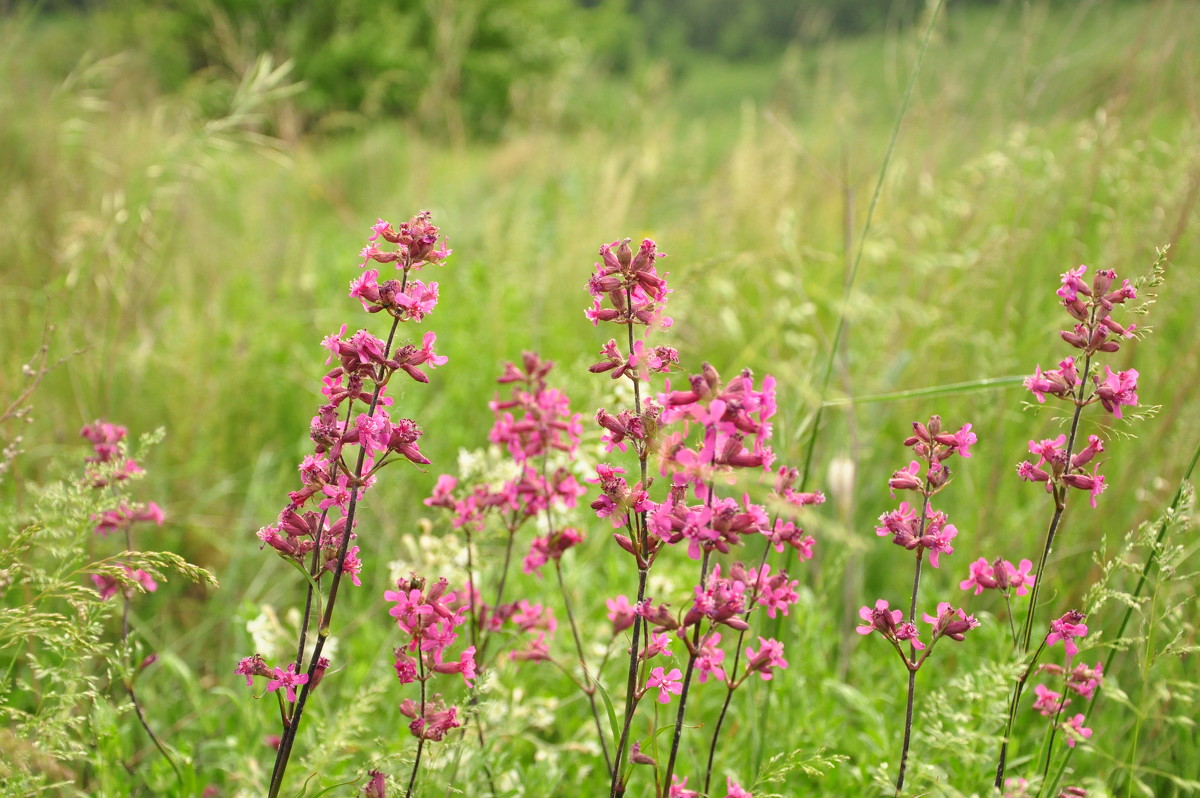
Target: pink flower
pixel 889 623
pixel 666 683
pixel 963 439
pixel 1066 629
pixel 735 790
pixel 621 613
pixel 1018 577
pixel 289 680
pixel 1117 389
pixel 1076 730
pixel 982 577
pixel 251 667
pixel 950 622
pixel 376 786
pixel 769 656
pixel 906 478
pixel 1073 284
pixel 679 789
pixel 659 644
pixel 465 665
pixel 710 657
pixel 1048 702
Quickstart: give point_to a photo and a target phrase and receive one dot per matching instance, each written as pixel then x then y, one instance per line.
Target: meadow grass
pixel 197 264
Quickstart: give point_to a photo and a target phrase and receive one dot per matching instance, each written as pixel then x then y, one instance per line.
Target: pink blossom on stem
pixel 251 667
pixel 1075 730
pixel 735 790
pixel 1047 701
pixel 769 656
pixel 1117 389
pixel 1066 629
pixel 679 789
pixel 950 622
pixel 982 577
pixel 710 657
pixel 667 683
pixel 621 613
pixel 289 680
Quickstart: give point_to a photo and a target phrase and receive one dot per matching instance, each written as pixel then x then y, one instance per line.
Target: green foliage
pixel 62 698
pixel 454 66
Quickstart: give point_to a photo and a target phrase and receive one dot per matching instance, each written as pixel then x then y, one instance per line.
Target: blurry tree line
pixel 458 66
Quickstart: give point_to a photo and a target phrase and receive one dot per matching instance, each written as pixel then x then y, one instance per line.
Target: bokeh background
pixel 184 188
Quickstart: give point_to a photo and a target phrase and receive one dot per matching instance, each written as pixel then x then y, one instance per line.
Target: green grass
pixel 198 266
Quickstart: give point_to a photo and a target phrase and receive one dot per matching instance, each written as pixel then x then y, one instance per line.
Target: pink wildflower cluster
pixel 1079 679
pixel 702 430
pixel 525 618
pixel 999 575
pixel 534 421
pixel 280 678
pixel 921 530
pixel 109 466
pixel 1094 332
pixel 416 246
pixel 429 619
pixel 354 436
pixel 635 292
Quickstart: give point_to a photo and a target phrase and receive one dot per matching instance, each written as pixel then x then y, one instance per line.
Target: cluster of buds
pixel 416 245
pixel 631 284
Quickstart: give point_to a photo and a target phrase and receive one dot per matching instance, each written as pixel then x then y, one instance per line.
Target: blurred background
pixel 185 186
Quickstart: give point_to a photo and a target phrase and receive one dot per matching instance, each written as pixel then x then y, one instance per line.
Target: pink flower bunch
pixel 109 466
pixel 920 529
pixel 429 620
pixel 550 547
pixel 416 241
pixel 431 719
pixel 106 441
pixel 532 422
pixel 1054 467
pixel 108 586
pixel 1094 332
pixel 1080 679
pixel 526 618
pixel 890 623
pixel 354 436
pixel 1066 629
pixel 331 481
pixel 635 291
pixel 702 430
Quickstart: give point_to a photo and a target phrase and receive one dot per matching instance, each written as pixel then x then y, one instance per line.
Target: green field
pixel 191 249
